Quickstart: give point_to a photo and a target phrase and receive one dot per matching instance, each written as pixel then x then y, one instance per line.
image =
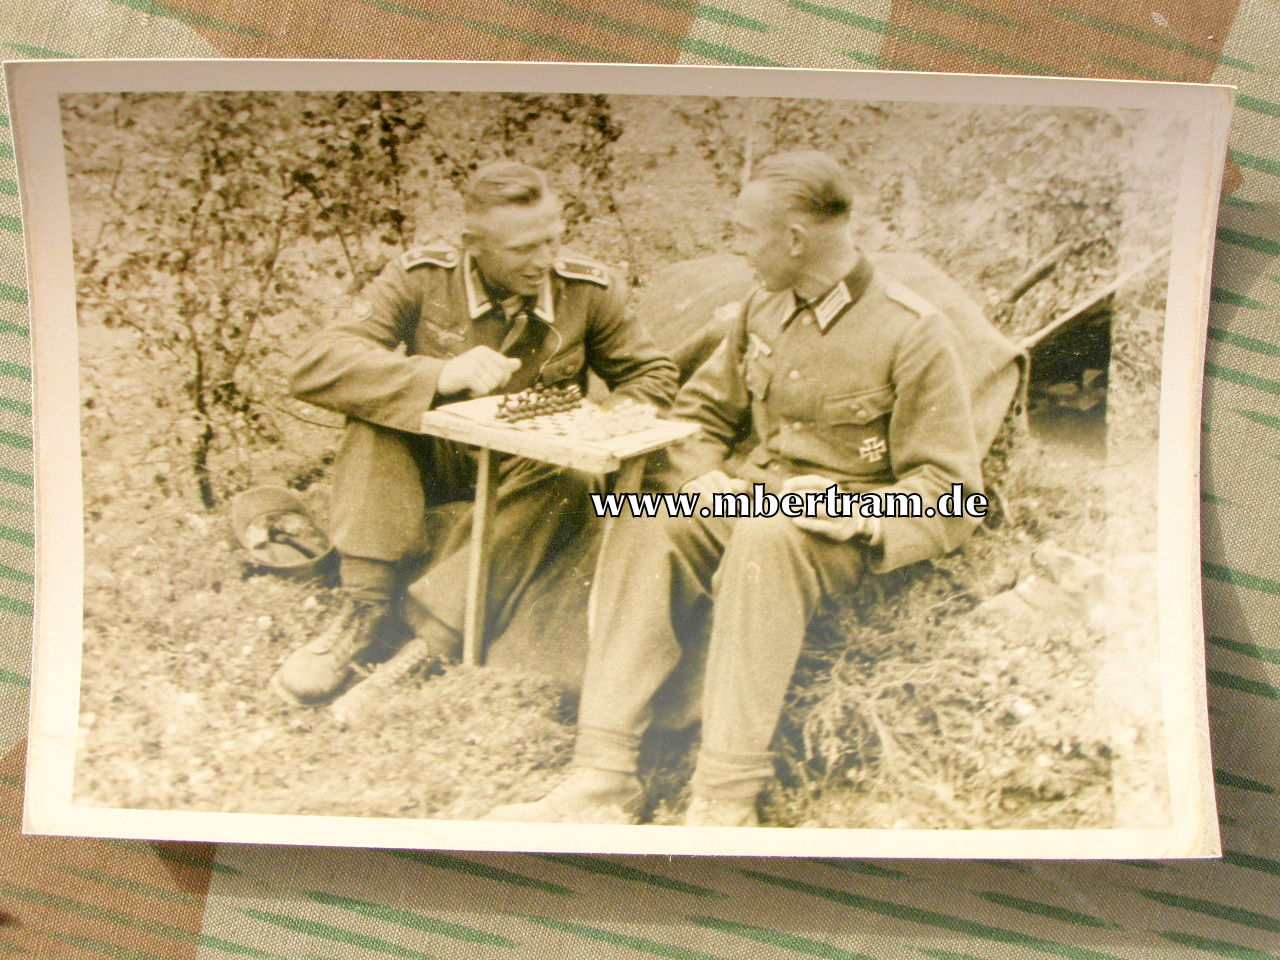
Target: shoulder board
pixel 904 295
pixel 580 268
pixel 437 254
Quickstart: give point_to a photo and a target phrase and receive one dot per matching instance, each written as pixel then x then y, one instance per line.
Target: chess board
pixel 584 438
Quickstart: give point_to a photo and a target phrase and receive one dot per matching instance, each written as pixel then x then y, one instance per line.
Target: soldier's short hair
pixel 504 183
pixel 807 181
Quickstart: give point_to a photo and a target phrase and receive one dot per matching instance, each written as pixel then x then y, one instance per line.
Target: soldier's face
pixel 763 236
pixel 515 246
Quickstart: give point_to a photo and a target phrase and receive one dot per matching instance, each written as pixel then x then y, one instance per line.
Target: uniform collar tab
pixel 544 307
pixel 828 308
pixel 479 302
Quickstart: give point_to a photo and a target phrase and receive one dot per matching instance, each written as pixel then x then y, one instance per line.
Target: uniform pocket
pixel 856 426
pixel 566 365
pixel 857 409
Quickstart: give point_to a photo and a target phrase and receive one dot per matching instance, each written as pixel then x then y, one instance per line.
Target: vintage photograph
pixel 524 457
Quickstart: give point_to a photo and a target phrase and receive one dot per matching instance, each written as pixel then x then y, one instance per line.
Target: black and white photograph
pixel 619 459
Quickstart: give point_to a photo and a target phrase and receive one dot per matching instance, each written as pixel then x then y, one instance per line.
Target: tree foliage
pixel 213 214
pixel 350 160
pixel 195 265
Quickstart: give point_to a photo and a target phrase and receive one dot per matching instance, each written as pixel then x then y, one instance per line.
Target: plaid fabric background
pixel 121 899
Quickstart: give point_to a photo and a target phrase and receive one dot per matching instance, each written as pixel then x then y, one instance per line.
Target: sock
pixel 721 775
pixel 609 750
pixel 366 579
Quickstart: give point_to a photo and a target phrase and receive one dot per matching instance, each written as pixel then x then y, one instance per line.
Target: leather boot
pixel 317 670
pixel 587 795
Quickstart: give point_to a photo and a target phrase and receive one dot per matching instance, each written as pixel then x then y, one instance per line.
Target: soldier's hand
pixel 480 370
pixel 715 481
pixel 806 483
pixel 625 401
pixel 833 528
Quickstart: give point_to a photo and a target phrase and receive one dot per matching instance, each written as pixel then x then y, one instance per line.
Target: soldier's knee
pixel 660 530
pixel 367 447
pixel 678 531
pixel 774 536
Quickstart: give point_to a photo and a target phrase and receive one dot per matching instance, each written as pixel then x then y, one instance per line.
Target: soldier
pixel 841 377
pixel 505 311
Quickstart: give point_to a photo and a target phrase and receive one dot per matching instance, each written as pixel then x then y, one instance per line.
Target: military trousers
pixel 385 481
pixel 761 579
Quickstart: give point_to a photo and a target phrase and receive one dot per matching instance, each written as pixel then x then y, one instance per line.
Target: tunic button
pixel 793 375
pixel 807 320
pixel 797 425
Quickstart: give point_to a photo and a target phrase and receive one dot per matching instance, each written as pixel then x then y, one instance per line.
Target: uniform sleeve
pixel 359 366
pixel 716 398
pixel 931 446
pixel 622 353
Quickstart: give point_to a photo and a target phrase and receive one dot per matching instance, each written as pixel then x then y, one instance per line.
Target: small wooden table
pixel 473 422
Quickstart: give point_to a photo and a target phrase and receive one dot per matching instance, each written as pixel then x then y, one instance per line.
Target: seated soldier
pixel 844 378
pixel 505 312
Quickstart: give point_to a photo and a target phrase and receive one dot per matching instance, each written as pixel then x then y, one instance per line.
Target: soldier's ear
pixel 798 236
pixel 475 234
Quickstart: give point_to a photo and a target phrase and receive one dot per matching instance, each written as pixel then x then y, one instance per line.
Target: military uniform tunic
pixel 863 387
pixel 380 367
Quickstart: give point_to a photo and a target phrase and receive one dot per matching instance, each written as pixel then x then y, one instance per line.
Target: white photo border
pixel 34 91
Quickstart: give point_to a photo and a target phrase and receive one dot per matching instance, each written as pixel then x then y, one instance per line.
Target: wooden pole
pixel 473 629
pixel 1083 307
pixel 1038 271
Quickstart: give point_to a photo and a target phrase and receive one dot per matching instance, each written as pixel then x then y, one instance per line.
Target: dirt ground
pixel 926 701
